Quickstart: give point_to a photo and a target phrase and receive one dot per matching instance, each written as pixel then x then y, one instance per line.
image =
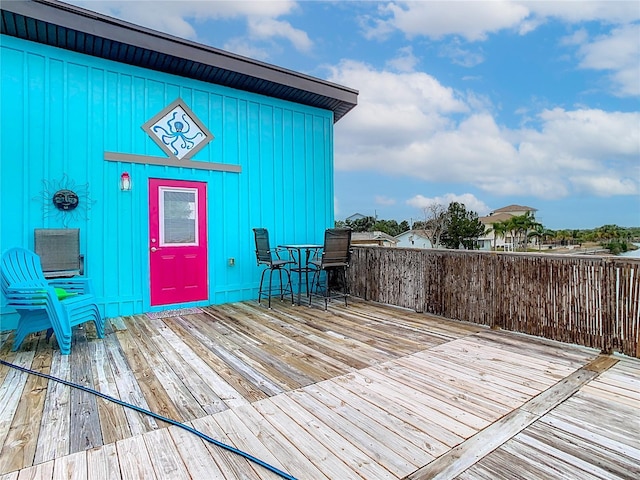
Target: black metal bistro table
pixel 301 254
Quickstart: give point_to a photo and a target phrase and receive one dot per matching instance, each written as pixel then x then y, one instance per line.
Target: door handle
pixel 153 249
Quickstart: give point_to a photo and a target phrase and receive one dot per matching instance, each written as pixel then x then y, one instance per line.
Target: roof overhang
pixel 66 26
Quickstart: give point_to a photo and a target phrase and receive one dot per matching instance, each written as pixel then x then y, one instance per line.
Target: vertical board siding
pixel 64 110
pixel 587 300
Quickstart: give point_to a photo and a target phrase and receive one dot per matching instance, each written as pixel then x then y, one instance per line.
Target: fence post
pixel 608 305
pixel 493 293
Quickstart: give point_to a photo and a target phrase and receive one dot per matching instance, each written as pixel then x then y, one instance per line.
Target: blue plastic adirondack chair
pixel 56 305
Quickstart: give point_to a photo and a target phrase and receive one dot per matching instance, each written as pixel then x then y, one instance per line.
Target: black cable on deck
pixel 203 436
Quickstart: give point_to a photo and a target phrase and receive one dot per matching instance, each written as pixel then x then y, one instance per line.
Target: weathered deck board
pixel 416 371
pixel 128 389
pixel 581 437
pixel 211 390
pixel 41 471
pixel 182 404
pixel 102 463
pixel 477 412
pixel 499 433
pixel 71 467
pixel 365 391
pixel 231 466
pixel 443 429
pixel 21 441
pixel 372 432
pixel 195 455
pixel 243 378
pixel 238 435
pixel 165 456
pixel 461 382
pixel 134 459
pixel 85 431
pixel 380 413
pixel 156 397
pixel 343 453
pixel 113 419
pixel 53 440
pixel 578 452
pixel 11 394
pixel 388 449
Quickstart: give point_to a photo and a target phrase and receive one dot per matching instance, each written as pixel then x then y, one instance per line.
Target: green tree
pixel 614 238
pixel 519 226
pixel 370 224
pixel 541 233
pixel 615 246
pixel 419 225
pixel 609 232
pixel 498 229
pixel 463 227
pixel 362 224
pixel 390 227
pixel 563 237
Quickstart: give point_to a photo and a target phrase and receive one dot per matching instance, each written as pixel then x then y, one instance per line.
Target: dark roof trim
pixel 65 26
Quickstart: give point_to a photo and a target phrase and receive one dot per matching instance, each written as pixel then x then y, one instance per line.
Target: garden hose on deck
pixel 203 436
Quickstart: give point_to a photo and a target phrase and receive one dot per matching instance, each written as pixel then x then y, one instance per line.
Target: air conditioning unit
pixel 59 251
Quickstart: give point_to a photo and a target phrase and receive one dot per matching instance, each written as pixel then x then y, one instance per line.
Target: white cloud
pixel 604 185
pixel 475 20
pixel 405 60
pixel 590 133
pixel 617 52
pixel 175 17
pixel 607 11
pixel 576 38
pixel 469 200
pixel 384 200
pixel 411 125
pixel 268 28
pixel 461 56
pixel 471 20
pixel 246 48
pixel 394 108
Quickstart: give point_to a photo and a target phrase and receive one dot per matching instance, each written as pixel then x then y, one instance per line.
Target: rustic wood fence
pixel 586 300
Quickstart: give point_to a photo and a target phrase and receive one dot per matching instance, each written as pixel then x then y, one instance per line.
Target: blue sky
pixel 489 103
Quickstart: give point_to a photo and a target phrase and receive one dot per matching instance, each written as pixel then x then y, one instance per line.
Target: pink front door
pixel 177 241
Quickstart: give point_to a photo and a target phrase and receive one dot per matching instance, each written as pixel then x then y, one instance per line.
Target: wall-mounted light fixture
pixel 125 182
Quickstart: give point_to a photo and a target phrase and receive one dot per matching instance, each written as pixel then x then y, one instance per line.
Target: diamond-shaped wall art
pixel 177 131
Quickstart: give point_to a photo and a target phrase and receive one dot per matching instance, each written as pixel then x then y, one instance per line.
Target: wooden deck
pixel 366 391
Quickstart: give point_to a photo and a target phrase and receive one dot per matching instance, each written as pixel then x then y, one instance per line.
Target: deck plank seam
pixel 475 448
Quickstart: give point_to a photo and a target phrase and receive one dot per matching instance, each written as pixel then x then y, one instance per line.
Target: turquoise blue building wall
pixel 61 111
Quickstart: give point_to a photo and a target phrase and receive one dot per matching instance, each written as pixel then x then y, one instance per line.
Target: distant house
pixel 380 239
pixel 414 239
pixel 354 217
pixel 514 210
pixel 503 214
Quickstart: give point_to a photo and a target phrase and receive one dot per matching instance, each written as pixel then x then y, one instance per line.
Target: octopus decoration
pixel 64 200
pixel 177 132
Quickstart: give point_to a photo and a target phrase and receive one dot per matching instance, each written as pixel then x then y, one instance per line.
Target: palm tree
pixel 608 232
pixel 541 233
pixel 513 227
pixel 499 229
pixel 520 226
pixel 563 236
